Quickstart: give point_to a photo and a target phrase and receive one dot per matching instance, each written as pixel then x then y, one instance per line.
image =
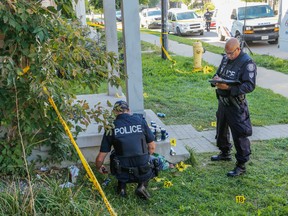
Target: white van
pixel 249 21
pixel 283 35
pixel 150 18
pixel 184 22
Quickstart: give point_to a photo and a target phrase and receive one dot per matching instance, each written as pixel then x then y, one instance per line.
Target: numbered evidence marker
pixel 168 184
pixel 213 124
pixel 173 142
pixel 240 199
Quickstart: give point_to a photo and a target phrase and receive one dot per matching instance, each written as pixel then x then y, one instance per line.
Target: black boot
pixel 224 156
pixel 142 192
pixel 238 170
pixel 121 189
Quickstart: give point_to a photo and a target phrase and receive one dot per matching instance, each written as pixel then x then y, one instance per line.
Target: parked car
pixel 213 20
pixel 252 21
pixel 150 18
pixel 118 16
pixel 184 22
pixel 98 21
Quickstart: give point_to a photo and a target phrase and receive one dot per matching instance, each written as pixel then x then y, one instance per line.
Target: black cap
pixel 121 106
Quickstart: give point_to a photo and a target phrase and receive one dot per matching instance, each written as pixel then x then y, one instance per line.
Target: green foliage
pixel 43 49
pixel 153 3
pixel 98 4
pixel 66 8
pixel 209 6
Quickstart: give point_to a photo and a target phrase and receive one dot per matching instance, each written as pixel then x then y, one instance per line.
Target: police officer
pixel 133 142
pixel 235 77
pixel 208 18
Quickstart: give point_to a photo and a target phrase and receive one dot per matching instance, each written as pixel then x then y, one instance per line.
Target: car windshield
pixel 186 15
pixel 254 12
pixel 154 13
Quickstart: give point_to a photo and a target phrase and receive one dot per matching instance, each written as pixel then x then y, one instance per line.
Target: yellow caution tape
pixel 169 57
pixel 205 70
pixel 195 70
pixel 82 158
pixel 25 70
pixel 95 25
pixel 184 72
pixel 166 53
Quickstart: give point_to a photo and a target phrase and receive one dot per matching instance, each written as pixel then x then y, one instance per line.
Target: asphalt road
pixel 263 48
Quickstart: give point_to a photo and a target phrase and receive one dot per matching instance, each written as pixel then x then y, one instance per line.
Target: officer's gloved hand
pixel 103 170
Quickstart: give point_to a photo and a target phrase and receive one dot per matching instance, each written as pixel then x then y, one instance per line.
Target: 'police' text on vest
pixel 128 129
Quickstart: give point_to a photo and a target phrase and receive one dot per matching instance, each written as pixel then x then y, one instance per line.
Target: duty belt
pixel 136 170
pixel 235 101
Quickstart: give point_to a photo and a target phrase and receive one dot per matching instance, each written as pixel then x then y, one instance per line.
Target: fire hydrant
pixel 198 50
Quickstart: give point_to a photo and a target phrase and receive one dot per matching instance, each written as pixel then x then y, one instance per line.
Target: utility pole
pixel 164 32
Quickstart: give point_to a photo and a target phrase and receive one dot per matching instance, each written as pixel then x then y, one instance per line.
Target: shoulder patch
pixel 251 67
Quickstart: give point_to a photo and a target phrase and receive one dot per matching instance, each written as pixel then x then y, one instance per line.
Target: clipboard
pixel 228 82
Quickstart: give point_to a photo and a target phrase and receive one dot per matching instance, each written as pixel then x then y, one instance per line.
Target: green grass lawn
pixel 202 189
pixel 187 98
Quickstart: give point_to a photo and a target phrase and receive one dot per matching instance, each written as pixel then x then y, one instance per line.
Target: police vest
pixel 129 140
pixel 232 70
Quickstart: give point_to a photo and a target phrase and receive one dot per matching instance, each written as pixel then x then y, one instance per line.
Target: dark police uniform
pixel 232 106
pixel 208 18
pixel 129 138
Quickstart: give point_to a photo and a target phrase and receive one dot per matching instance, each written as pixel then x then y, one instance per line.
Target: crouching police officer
pixel 133 143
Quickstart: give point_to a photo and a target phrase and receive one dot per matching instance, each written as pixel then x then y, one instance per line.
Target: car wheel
pixel 178 31
pixel 273 42
pixel 220 36
pixel 202 33
pixel 238 37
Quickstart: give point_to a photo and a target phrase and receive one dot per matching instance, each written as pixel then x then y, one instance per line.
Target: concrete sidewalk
pixel 204 141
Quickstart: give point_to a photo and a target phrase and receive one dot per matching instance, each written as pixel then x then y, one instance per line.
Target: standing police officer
pixel 208 19
pixel 133 143
pixel 235 77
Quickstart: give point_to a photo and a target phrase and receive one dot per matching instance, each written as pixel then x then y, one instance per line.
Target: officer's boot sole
pixel 221 158
pixel 236 172
pixel 142 193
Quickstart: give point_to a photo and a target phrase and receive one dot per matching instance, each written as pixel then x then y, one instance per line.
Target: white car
pixel 184 22
pixel 150 18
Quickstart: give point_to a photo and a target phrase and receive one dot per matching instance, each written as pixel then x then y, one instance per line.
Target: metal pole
pixel 164 32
